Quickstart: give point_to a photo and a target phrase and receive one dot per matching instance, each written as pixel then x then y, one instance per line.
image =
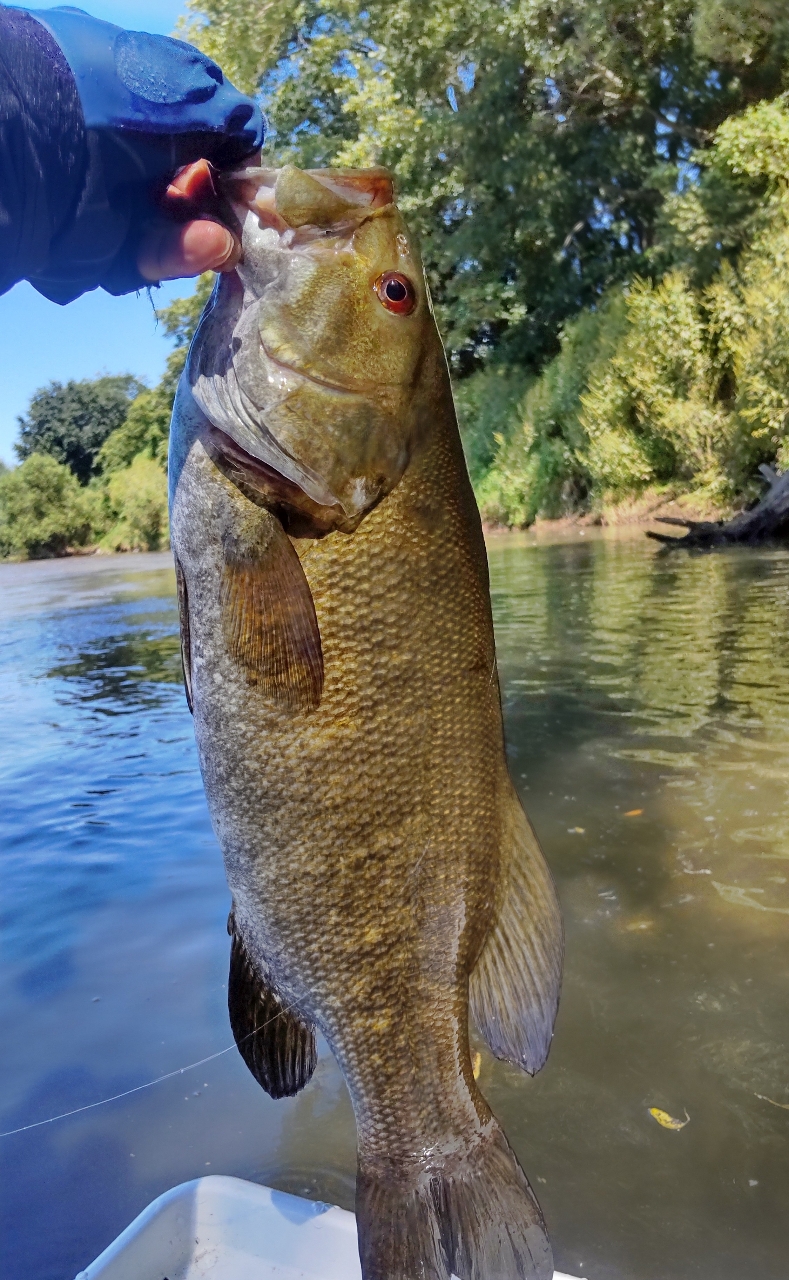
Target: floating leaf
pixel 634 813
pixel 667 1121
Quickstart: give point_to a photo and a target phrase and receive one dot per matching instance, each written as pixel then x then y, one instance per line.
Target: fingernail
pixel 231 247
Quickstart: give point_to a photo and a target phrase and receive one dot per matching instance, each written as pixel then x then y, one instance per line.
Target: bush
pixel 136 505
pixel 487 406
pixel 540 465
pixel 43 510
pixel 681 378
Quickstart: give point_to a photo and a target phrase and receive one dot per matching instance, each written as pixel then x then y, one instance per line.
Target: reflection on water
pixel 646 702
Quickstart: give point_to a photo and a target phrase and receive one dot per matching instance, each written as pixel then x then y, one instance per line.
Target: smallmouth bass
pixel 339 660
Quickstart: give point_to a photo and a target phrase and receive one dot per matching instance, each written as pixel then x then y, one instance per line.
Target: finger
pixel 172 251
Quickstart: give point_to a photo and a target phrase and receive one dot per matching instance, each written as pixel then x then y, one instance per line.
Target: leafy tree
pixel 680 380
pixel 71 422
pixel 43 510
pixel 488 407
pixel 534 143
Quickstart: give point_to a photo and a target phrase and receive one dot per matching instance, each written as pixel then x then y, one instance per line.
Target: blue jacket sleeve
pixel 94 121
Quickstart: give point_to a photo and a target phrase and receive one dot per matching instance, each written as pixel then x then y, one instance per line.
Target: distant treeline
pixel 93 459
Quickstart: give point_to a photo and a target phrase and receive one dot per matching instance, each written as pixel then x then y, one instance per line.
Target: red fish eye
pixel 396 293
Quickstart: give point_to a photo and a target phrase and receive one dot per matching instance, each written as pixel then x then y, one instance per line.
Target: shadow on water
pixel 646 704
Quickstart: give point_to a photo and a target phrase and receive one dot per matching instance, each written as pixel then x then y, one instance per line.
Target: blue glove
pixel 148 105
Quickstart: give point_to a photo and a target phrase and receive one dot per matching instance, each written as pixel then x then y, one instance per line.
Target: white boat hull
pixel 220 1228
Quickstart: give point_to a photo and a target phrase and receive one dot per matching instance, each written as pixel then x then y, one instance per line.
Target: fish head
pixel 307 359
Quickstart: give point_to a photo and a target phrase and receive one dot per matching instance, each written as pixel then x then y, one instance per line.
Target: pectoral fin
pixel 186 642
pixel 268 618
pixel 276 1045
pixel 514 989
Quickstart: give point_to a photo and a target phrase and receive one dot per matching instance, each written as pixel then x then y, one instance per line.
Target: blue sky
pixel 40 341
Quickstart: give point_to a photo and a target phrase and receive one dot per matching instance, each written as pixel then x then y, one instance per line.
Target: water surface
pixel 646 705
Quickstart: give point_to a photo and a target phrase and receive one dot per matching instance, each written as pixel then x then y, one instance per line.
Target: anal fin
pixel 268 617
pixel 277 1046
pixel 514 989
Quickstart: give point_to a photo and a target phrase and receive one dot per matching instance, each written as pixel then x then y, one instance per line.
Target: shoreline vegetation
pixel 602 201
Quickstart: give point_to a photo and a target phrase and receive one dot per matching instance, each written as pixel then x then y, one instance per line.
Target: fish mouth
pixel 308 200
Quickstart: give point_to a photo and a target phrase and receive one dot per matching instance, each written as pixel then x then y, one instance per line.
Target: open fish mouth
pixel 303 204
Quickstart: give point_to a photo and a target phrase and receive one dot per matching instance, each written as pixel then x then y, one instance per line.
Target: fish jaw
pixel 297 362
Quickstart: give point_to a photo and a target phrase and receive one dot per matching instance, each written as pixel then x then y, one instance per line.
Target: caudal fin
pixel 476 1218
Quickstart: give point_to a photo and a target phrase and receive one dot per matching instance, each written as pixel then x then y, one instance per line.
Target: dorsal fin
pixel 514 989
pixel 276 1045
pixel 268 617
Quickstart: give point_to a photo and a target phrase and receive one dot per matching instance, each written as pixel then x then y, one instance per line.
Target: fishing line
pixel 179 1071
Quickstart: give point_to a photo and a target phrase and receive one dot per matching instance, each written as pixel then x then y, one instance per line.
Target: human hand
pixel 172 249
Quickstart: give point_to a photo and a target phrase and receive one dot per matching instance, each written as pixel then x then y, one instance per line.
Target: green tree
pixel 43 510
pixel 534 144
pixel 71 422
pixel 681 379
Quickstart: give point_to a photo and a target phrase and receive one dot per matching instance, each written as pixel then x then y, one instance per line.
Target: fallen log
pixel 768 519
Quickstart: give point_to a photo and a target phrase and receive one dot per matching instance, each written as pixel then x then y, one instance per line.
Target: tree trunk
pixel 768 519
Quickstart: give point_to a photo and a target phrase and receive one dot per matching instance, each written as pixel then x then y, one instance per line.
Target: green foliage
pixel 70 423
pixel 136 505
pixel 545 186
pixel 541 467
pixel 43 510
pixel 487 406
pixel 681 379
pixel 146 429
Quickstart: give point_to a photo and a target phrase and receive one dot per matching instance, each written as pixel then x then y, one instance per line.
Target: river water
pixel 646 701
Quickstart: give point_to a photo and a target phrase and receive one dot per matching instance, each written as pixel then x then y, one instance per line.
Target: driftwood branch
pixel 768 519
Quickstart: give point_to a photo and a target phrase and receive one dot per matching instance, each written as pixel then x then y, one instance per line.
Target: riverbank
pixel 646 510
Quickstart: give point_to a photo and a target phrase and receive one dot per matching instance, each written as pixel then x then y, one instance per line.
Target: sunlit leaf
pixel 668 1122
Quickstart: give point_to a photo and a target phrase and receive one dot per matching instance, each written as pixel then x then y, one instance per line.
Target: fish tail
pixel 475 1217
